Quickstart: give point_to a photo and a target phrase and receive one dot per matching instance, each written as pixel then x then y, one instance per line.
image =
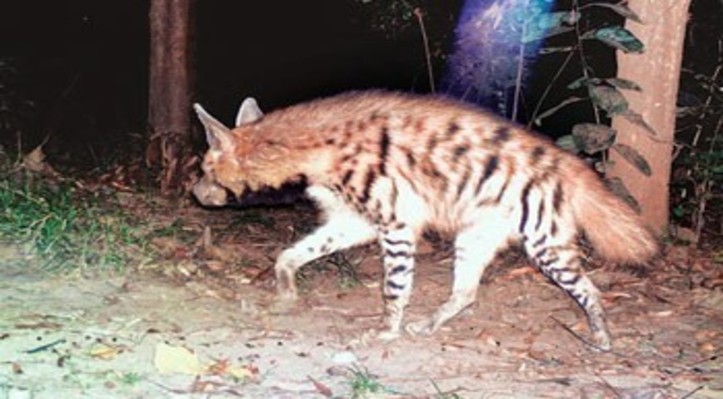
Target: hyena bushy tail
pixel 614 229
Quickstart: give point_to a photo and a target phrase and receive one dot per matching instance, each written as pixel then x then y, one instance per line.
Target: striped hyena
pixel 385 166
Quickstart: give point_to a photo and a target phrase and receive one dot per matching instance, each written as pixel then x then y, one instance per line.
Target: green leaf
pixel 617 186
pixel 637 119
pixel 592 138
pixel 681 112
pixel 621 9
pixel 548 24
pixel 583 82
pixel 617 37
pixel 633 157
pixel 608 98
pixel 550 50
pixel 567 143
pixel 623 84
pixel 562 104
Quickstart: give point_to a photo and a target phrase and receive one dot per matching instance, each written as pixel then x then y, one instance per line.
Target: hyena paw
pixel 422 327
pixel 602 341
pixel 284 301
pixel 388 335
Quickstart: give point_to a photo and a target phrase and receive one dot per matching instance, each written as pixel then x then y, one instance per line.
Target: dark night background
pixel 83 63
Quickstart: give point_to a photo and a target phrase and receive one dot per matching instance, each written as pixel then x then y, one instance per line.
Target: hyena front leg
pixel 475 248
pixel 342 231
pixel 398 246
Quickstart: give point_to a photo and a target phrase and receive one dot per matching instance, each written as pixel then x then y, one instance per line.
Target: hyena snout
pixel 208 193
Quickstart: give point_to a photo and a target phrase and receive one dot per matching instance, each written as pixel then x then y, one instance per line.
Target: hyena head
pixel 225 165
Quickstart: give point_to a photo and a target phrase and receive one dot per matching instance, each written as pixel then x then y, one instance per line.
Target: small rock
pixel 345 357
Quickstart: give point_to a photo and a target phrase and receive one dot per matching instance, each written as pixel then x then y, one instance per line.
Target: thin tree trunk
pixel 169 97
pixel 657 71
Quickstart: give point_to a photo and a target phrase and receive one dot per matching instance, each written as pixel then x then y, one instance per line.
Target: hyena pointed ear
pixel 248 112
pixel 217 134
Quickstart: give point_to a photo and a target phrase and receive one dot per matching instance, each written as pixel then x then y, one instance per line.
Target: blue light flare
pixel 490 37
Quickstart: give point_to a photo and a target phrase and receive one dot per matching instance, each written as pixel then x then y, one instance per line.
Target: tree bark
pixel 657 71
pixel 169 97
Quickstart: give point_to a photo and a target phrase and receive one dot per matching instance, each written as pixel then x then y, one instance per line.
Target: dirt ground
pixel 199 325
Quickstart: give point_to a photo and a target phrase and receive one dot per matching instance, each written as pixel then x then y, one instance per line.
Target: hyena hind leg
pixel 562 265
pixel 475 249
pixel 340 232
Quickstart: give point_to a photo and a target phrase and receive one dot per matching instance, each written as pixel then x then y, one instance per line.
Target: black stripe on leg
pixel 398 254
pixel 539 255
pixel 391 284
pixel 571 282
pixel 396 242
pixel 397 270
pixel 540 241
pixel 543 264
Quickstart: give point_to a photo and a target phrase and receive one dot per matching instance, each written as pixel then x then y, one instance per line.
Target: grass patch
pixel 68 229
pixel 364 385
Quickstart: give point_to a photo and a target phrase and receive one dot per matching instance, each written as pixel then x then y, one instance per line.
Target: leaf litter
pixel 201 322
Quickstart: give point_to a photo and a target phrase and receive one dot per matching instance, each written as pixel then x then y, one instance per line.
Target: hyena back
pixel 385 166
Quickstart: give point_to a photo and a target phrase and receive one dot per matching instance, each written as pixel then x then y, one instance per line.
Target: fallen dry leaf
pixel 707 347
pixel 103 351
pixel 663 313
pixel 321 388
pixel 17 368
pixel 219 367
pixel 243 372
pixel 706 334
pixel 34 161
pixel 44 325
pixel 613 296
pixel 176 359
pixel 215 265
pixel 519 272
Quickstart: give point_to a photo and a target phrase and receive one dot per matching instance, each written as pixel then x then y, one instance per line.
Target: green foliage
pixel 130 378
pixel 16 108
pixel 604 94
pixel 592 138
pixel 617 37
pixel 66 229
pixel 392 16
pixel 697 182
pixel 696 190
pixel 633 157
pixel 541 24
pixel 364 385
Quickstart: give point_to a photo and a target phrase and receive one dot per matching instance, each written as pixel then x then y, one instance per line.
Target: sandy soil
pixel 199 326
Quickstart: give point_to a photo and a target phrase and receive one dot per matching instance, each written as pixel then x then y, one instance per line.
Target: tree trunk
pixel 657 71
pixel 169 97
